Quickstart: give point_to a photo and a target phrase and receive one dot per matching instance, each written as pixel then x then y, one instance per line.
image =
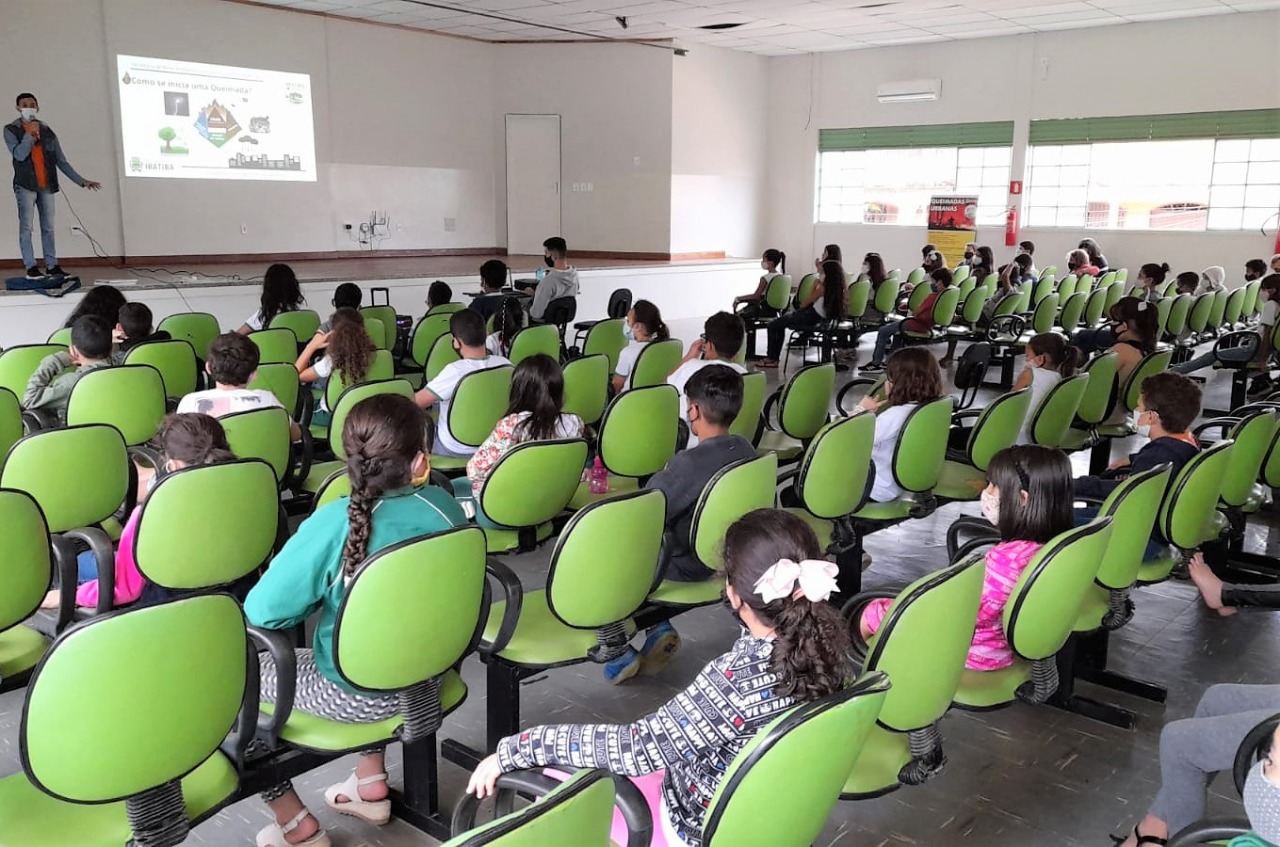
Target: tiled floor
pixel 1020 776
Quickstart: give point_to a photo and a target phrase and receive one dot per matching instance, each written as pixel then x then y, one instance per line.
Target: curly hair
pixel 193 439
pixel 915 375
pixel 103 301
pixel 350 348
pixel 811 639
pixel 380 438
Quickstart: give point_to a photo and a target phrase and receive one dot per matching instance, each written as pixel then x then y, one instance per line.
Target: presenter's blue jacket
pixel 24 170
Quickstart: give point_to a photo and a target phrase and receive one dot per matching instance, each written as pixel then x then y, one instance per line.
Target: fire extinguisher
pixel 1011 227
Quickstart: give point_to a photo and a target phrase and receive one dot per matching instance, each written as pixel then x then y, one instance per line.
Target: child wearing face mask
pixel 1255 349
pixel 467 329
pixel 184 440
pixel 1028 500
pixel 773 263
pixel 644 324
pixel 1050 359
pixel 1262 799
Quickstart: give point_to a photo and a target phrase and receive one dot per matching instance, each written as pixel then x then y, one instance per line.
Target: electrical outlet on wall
pixel 450 224
pixel 244 229
pixel 589 187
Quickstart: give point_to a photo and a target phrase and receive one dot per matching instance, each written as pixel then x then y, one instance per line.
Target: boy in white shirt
pixel 467 329
pixel 232 363
pixel 722 337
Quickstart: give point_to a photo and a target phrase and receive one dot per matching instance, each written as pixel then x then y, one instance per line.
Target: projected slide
pixel 188 120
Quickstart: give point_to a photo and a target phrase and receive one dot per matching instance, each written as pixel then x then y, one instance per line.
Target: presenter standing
pixel 37 158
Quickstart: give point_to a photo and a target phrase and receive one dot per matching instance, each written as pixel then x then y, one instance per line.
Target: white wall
pixel 719 143
pixel 1210 63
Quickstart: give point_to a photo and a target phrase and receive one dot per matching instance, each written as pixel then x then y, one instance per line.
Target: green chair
pixel 278 344
pixel 921 645
pixel 1096 404
pixel 584 613
pixel 479 401
pixel 1127 397
pixel 734 491
pixel 83 780
pixel 606 337
pixel 1233 312
pixel 320 471
pixel 1189 515
pixel 336 486
pixel 1085 284
pixel 27 572
pixel 175 360
pixel 1049 423
pixel 918 459
pixel 281 379
pixel 385 316
pixel 1095 307
pixel 1218 310
pixel 1253 435
pixel 425 333
pixel 1072 312
pixel 532 340
pixel 17 364
pixel 1042 289
pixel 261 434
pixel 1038 619
pixel 303 322
pixel 804 290
pixel 129 397
pixel 529 486
pixel 995 427
pixel 886 299
pixel 921 293
pixel 10 421
pixel 637 439
pixel 858 297
pixel 1067 287
pixel 656 362
pixel 381 367
pixel 915 277
pixel 411 613
pixel 961 274
pixel 446 309
pixel 60 337
pixel 1114 292
pixel 586 386
pixel 578 811
pixel 442 353
pixel 776 298
pixel 196 328
pixel 1250 300
pixel 803 406
pixel 1179 314
pixel 377 334
pixel 747 424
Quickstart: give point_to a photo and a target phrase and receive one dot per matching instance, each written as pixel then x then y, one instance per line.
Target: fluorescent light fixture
pixel 911 91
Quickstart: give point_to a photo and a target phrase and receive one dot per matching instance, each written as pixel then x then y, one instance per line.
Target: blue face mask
pixel 628 332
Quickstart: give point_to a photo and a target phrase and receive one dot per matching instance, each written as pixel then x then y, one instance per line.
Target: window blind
pixel 989 134
pixel 1254 123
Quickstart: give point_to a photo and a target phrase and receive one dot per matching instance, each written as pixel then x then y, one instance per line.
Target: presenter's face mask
pixel 28 113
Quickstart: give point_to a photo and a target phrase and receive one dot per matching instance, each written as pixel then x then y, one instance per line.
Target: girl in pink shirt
pixel 1028 499
pixel 183 440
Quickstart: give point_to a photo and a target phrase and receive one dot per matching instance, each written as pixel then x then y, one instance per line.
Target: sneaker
pixel 56 270
pixel 34 273
pixel 871 367
pixel 621 669
pixel 659 648
pixel 1260 385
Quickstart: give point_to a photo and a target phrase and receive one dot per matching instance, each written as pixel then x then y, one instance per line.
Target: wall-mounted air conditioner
pixel 910 91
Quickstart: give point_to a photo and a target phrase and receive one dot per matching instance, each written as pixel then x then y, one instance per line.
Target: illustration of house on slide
pixel 217 124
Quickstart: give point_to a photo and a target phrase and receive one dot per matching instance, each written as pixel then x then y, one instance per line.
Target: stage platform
pixel 686 291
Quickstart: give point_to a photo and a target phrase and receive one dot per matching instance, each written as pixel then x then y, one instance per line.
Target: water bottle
pixel 539 274
pixel 599 483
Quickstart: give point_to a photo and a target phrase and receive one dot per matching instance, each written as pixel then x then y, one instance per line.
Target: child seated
pixel 722 337
pixel 534 414
pixel 134 328
pixel 912 378
pixel 467 329
pixel 50 386
pixel 232 363
pixel 346 296
pixel 644 324
pixel 1049 360
pixel 1262 798
pixel 773 263
pixel 348 352
pixel 493 275
pixel 388 445
pixel 715 398
pixel 1168 404
pixel 920 321
pixel 184 440
pixel 508 320
pixel 1028 499
pixel 792 650
pixel 438 294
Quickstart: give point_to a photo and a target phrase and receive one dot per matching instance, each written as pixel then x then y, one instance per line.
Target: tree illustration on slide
pixel 167 135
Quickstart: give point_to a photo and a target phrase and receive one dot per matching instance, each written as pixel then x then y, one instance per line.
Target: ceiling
pixel 767 27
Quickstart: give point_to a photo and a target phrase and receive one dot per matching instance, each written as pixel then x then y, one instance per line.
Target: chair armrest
pixel 857 382
pixel 787 475
pixel 1220 424
pixel 104 554
pixel 964 415
pixel 769 403
pixel 980 533
pixel 1208 831
pixel 1253 747
pixel 280 647
pixel 1238 338
pixel 35 420
pixel 513 593
pixel 245 729
pixel 301 457
pixel 67 573
pixel 852 611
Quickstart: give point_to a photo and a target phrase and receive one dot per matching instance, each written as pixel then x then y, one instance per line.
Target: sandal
pixel 1142 839
pixel 376 812
pixel 274 835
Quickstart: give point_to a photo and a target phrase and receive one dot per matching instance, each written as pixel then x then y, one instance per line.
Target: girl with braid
pixel 388 441
pixel 793 648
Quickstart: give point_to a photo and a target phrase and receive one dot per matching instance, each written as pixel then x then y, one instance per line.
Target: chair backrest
pixel 281 380
pixel 1043 288
pixel 1051 420
pixel 335 486
pixel 639 431
pixel 426 331
pixel 78 475
pixel 1150 364
pixel 445 308
pixel 921 450
pixel 997 427
pixel 1085 284
pixel 588 591
pixel 833 472
pixel 260 434
pixel 377 333
pixel 442 353
pixel 1189 509
pixel 923 642
pixel 606 338
pixel 1067 286
pixel 60 336
pixel 973 303
pixel 352 396
pixel 971 372
pixel 278 344
pixel 531 340
pixel 1252 437
pixel 1049 270
pixel 1046 312
pixel 734 491
pixel 1251 298
pixel 656 361
pixel 11 420
pixel 921 293
pixel 1218 309
pixel 533 482
pixel 1179 313
pixel 915 277
pixel 796 768
pixel 887 295
pixel 1100 395
pixel 380 367
pixel 1095 306
pixel 175 360
pixel 578 811
pixel 961 274
pixel 27 563
pixel 1270 474
pixel 859 295
pixel 1114 292
pixel 969 285
pixel 303 322
pixel 478 403
pixel 386 316
pixel 586 387
pixel 1106 279
pixel 196 328
pixel 1164 306
pixel 208 525
pixel 747 423
pixel 805 403
pixel 1198 321
pixel 1132 507
pixel 1045 602
pixel 777 292
pixel 129 397
pixel 1235 306
pixel 805 290
pixel 619 303
pixel 1073 311
pixel 411 611
pixel 17 364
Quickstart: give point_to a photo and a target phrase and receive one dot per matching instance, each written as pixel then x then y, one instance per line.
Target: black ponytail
pixel 778 258
pixel 647 313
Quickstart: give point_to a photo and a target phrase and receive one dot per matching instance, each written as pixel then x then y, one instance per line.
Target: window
pixel 1191 172
pixel 886 175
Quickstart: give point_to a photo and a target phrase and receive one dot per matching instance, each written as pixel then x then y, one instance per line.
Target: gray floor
pixel 1020 776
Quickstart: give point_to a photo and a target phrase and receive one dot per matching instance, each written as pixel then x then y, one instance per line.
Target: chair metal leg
pixel 1092 650
pixel 849 578
pixel 419 803
pixel 1065 698
pixel 502 703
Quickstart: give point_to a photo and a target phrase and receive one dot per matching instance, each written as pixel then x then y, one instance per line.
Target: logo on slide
pixel 217 124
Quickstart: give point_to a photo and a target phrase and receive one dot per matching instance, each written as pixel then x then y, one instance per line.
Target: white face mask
pixel 28 114
pixel 990 507
pixel 1144 429
pixel 866 269
pixel 629 332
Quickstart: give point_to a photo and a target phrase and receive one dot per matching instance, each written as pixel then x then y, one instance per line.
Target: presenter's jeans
pixel 28 203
